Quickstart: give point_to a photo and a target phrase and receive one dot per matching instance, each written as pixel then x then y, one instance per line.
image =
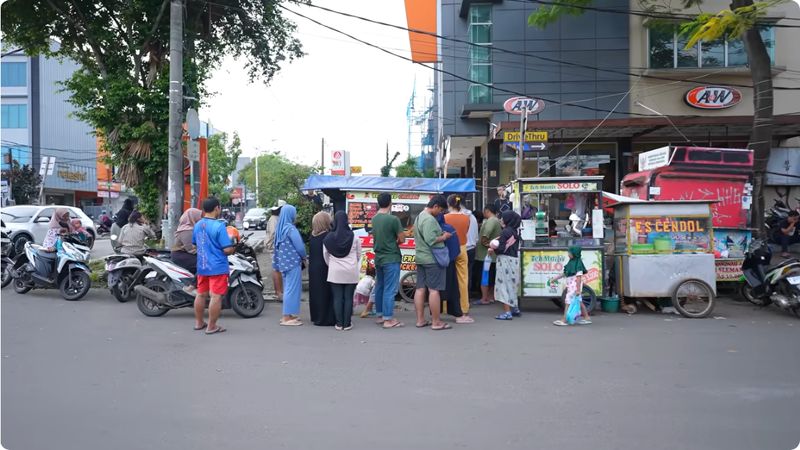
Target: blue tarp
pixel 390 184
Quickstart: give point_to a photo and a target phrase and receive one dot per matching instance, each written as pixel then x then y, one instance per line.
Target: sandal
pixel 219 329
pixel 516 312
pixel 291 323
pixel 425 324
pixel 444 326
pixel 504 316
pixel 204 326
pixel 584 322
pixel 480 303
pixel 393 324
pixel 560 323
pixel 464 319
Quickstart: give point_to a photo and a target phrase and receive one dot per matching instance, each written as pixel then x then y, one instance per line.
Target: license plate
pixel 793 280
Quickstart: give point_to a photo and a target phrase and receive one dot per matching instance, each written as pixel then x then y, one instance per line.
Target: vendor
pixel 787 233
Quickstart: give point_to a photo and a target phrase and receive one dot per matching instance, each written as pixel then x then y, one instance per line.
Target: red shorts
pixel 217 284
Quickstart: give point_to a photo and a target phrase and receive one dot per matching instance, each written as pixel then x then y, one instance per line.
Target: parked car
pixel 255 218
pixel 30 223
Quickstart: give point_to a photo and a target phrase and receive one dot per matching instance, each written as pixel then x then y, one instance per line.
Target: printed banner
pixel 543 188
pixel 728 269
pixel 407 250
pixel 539 267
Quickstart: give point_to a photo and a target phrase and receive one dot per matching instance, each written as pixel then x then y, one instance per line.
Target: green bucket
pixel 610 304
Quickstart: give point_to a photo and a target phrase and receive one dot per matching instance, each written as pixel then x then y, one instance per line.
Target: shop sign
pixel 713 97
pixel 404 197
pixel 728 269
pixel 543 188
pixel 407 251
pixel 669 225
pixel 340 160
pixel 355 169
pixel 654 159
pixel 515 105
pixel 540 267
pixel 237 193
pixel 71 176
pixel 530 136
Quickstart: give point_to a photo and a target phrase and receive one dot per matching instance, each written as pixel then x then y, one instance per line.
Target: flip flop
pixel 480 303
pixel 445 326
pixel 219 329
pixel 427 323
pixel 291 323
pixel 205 325
pixel 394 325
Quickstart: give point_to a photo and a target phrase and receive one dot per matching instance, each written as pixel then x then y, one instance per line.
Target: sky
pixel 350 94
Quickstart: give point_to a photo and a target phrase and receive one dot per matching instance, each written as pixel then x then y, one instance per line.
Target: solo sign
pixel 515 105
pixel 713 97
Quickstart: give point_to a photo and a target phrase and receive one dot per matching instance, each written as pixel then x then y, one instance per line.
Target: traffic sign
pixel 530 136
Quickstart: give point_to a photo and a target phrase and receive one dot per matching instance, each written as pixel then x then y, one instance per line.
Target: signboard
pixel 237 193
pixel 527 146
pixel 543 188
pixel 713 97
pixel 355 169
pixel 407 263
pixel 539 267
pixel 515 105
pixel 340 162
pixel 362 207
pixel 654 158
pixel 47 165
pixel 530 136
pixel 360 214
pixel 107 194
pixel 728 269
pixel 193 151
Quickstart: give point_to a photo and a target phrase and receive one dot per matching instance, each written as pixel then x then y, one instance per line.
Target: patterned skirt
pixel 506 287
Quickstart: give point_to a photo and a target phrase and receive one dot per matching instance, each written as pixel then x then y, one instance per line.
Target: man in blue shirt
pixel 210 236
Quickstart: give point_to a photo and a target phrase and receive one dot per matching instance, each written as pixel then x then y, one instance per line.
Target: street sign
pixel 528 146
pixel 193 123
pixel 193 150
pixel 47 165
pixel 654 158
pixel 515 105
pixel 530 136
pixel 355 169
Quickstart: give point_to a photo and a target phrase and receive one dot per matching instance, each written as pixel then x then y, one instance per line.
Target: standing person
pixel 787 233
pixel 387 234
pixel 320 298
pixel 132 236
pixel 430 277
pixel 451 295
pixel 508 277
pixel 472 242
pixel 213 247
pixel 289 259
pixel 502 203
pixel 184 252
pixel 121 220
pixel 573 271
pixel 460 222
pixel 490 230
pixel 342 251
pixel 269 244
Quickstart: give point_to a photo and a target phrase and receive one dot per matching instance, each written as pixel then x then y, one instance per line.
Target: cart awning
pixel 389 184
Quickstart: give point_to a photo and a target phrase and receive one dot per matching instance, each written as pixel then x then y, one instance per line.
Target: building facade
pixel 37 122
pixel 608 80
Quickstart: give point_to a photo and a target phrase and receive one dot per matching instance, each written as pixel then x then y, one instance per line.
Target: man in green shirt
pixel 490 229
pixel 430 277
pixel 387 234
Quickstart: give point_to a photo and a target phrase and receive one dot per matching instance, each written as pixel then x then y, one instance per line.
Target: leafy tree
pixel 387 169
pixel 278 178
pixel 408 169
pixel 222 159
pixel 740 20
pixel 121 88
pixel 24 182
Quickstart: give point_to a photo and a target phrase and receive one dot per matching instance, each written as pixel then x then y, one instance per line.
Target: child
pixel 365 293
pixel 79 231
pixel 507 281
pixel 573 270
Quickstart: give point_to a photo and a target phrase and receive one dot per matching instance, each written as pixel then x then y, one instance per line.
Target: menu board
pixel 360 214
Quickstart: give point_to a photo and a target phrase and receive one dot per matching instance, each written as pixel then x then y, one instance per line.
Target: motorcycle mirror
pixel 113 237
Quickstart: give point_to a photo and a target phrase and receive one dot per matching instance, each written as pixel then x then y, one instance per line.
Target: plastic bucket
pixel 610 304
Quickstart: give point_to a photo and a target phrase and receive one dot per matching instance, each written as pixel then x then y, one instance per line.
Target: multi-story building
pixel 612 86
pixel 37 121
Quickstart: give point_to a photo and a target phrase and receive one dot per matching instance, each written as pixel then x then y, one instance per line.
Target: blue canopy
pixel 390 184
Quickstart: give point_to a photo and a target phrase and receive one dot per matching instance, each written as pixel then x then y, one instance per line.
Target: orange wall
pixel 421 15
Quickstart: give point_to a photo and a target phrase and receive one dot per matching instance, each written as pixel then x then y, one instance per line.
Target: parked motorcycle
pixel 123 271
pixel 7 250
pixel 779 211
pixel 163 286
pixel 244 249
pixel 764 284
pixel 66 269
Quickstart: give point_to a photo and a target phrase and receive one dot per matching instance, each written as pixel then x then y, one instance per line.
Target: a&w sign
pixel 515 105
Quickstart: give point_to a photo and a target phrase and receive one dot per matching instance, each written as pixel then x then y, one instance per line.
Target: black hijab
pixel 511 220
pixel 340 240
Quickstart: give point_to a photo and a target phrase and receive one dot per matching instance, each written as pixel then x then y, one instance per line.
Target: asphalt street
pixel 97 374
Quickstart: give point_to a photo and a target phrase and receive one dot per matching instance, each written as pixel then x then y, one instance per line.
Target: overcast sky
pixel 352 95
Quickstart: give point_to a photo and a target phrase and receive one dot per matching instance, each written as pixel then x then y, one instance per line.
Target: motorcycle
pixel 65 270
pixel 779 211
pixel 244 249
pixel 123 270
pixel 7 250
pixel 764 284
pixel 162 288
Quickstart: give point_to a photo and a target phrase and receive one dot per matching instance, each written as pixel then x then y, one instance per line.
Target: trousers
pixel 342 303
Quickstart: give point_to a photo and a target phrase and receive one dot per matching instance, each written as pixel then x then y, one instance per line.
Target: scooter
pixel 123 270
pixel 244 249
pixel 163 284
pixel 764 284
pixel 66 269
pixel 7 249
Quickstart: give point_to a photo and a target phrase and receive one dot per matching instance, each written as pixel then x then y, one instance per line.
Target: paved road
pixel 97 374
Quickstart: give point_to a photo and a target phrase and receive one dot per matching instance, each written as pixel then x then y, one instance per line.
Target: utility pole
pixel 257 155
pixel 322 158
pixel 175 167
pixel 523 127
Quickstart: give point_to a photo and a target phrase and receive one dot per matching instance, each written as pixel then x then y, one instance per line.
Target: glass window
pixel 662 48
pixel 479 94
pixel 666 47
pixel 480 57
pixel 481 73
pixel 14 116
pixel 20 155
pixel 480 54
pixel 14 74
pixel 713 53
pixel 480 34
pixel 686 57
pixel 480 14
pixel 18 214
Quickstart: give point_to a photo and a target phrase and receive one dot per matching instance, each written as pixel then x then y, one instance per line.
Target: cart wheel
pixel 693 299
pixel 587 295
pixel 408 285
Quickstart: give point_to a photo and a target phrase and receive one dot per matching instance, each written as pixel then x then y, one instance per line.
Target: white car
pixel 30 223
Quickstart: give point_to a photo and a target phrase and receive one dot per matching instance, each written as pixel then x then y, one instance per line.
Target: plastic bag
pixel 487 266
pixel 574 309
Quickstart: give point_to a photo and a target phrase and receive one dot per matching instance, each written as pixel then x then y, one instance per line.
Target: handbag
pixel 441 255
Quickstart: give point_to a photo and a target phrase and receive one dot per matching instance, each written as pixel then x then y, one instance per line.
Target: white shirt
pixel 472 233
pixel 365 286
pixel 344 270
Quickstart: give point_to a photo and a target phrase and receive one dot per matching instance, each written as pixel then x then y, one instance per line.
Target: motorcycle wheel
pixel 746 291
pixel 7 278
pixel 75 285
pixel 125 279
pixel 20 286
pixel 247 300
pixel 148 307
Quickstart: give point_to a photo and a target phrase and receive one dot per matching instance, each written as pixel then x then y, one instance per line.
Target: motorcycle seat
pixel 782 263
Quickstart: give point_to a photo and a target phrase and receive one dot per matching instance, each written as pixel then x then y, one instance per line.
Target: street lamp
pixel 258 154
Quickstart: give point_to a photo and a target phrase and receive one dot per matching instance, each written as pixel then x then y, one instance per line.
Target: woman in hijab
pixel 184 252
pixel 342 252
pixel 120 221
pixel 58 222
pixel 452 293
pixel 320 299
pixel 132 236
pixel 506 285
pixel 288 259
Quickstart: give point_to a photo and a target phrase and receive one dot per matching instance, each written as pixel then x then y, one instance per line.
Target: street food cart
pixel 358 196
pixel 564 211
pixel 665 249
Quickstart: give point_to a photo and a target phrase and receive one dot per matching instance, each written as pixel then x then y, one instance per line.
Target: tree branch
pixel 98 53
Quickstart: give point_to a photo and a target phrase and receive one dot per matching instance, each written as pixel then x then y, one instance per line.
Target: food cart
pixel 564 212
pixel 358 196
pixel 665 249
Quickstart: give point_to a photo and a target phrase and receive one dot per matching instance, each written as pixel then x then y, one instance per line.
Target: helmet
pixel 233 233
